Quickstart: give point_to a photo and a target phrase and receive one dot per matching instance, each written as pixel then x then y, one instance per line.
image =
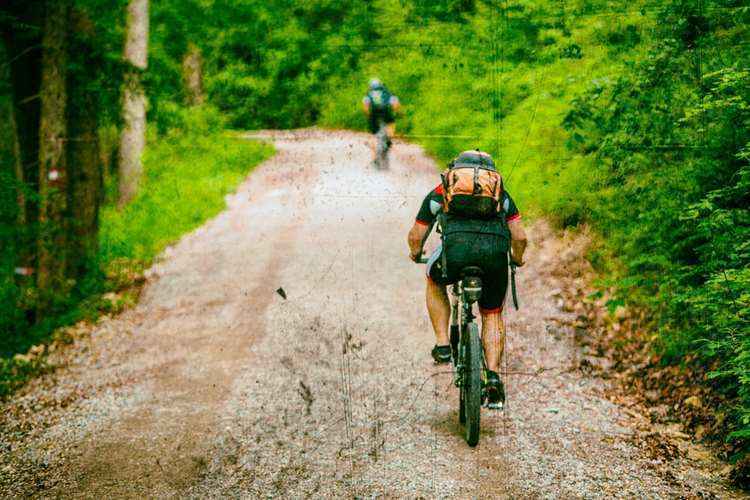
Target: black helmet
pixel 472 158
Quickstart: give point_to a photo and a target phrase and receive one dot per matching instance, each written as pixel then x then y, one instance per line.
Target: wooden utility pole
pixel 53 174
pixel 133 138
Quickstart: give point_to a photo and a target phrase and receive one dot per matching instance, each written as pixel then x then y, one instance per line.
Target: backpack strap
pixel 498 192
pixel 444 179
pixel 443 259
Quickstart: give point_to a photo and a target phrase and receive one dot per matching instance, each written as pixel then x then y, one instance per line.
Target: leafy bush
pixel 173 119
pixel 672 193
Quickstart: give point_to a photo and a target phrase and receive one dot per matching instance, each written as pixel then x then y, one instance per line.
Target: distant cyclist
pixel 482 239
pixel 380 107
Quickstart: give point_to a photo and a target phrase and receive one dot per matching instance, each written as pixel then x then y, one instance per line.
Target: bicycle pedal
pixel 495 406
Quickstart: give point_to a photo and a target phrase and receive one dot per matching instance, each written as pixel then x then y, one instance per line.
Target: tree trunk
pixel 10 134
pixel 133 138
pixel 53 175
pixel 24 53
pixel 192 76
pixel 83 149
pixel 25 60
pixel 18 168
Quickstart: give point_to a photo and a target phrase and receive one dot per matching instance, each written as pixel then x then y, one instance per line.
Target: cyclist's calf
pixel 493 338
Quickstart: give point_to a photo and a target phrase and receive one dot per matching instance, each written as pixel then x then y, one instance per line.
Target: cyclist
pixel 380 106
pixel 482 243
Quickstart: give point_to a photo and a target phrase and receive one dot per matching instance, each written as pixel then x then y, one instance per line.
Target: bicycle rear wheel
pixel 458 351
pixel 471 391
pixel 381 151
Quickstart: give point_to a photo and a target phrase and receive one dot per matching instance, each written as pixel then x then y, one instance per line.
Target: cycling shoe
pixel 495 391
pixel 441 354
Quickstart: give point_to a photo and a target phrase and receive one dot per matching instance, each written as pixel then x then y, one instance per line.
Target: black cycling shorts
pixel 378 116
pixel 481 250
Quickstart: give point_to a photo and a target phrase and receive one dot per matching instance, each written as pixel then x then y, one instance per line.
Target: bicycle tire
pixel 454 336
pixel 382 152
pixel 473 384
pixel 461 406
pixel 456 350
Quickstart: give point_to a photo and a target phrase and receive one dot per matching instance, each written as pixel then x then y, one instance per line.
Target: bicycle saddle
pixel 471 271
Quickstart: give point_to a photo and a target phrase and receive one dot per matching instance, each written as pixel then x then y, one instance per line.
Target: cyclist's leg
pixel 391 129
pixel 439 309
pixel 494 288
pixel 493 335
pixel 372 123
pixel 390 125
pixel 438 304
pixel 493 338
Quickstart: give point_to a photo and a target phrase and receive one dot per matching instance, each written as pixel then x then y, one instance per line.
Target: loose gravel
pixel 216 385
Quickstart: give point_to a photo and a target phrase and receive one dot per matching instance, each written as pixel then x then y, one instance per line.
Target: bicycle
pixel 383 145
pixel 467 353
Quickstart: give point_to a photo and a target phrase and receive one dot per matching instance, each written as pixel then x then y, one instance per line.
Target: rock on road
pixel 215 385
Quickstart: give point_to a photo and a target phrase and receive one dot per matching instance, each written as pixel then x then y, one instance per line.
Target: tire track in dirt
pixel 223 388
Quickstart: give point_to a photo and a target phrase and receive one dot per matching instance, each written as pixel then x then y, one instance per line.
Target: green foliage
pixel 15 372
pixel 499 77
pixel 672 189
pixel 267 62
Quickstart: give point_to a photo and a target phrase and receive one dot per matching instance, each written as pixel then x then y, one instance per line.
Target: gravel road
pixel 215 385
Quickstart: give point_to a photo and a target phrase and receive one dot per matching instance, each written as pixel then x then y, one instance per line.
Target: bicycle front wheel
pixel 472 384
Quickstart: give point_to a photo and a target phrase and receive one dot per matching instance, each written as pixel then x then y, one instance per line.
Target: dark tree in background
pixel 83 146
pixel 53 168
pixel 58 87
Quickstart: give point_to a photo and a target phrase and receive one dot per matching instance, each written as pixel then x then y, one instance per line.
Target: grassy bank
pixel 187 178
pixel 187 174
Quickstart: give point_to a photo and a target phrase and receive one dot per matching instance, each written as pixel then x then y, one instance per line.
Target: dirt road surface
pixel 215 385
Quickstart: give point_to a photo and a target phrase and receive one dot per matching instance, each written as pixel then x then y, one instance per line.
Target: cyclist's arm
pixel 518 241
pixel 416 238
pixel 395 104
pixel 423 222
pixel 366 105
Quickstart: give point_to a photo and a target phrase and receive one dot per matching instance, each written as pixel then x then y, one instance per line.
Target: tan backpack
pixel 472 191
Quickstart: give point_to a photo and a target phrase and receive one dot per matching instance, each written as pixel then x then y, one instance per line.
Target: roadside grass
pixel 185 184
pixel 187 175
